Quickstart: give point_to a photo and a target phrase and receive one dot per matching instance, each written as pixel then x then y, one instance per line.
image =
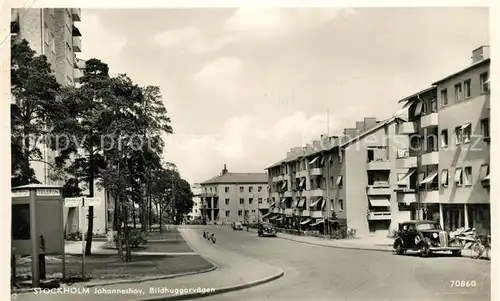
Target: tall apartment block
pixel 449 126
pixel 196 210
pixel 351 178
pixel 52 32
pixel 231 197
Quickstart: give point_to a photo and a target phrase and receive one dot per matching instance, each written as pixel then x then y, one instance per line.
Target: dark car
pixel 237 226
pixel 266 229
pixel 425 237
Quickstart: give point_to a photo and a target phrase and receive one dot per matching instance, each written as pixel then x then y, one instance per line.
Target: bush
pixel 136 237
pixel 75 236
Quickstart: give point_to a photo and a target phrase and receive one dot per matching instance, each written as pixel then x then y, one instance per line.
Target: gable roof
pixel 481 62
pixel 372 130
pixel 239 178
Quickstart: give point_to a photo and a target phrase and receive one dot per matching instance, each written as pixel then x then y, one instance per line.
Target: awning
pixel 430 178
pixel 487 81
pixel 284 185
pixel 317 223
pixel 444 176
pixel 314 160
pixel 484 172
pixel 315 202
pixel 458 174
pixel 339 181
pixel 486 178
pixel 267 214
pixel 418 108
pixel 301 202
pixel 272 204
pixel 323 203
pixel 274 217
pixel 302 182
pixel 402 181
pixel 379 201
pixel 307 221
pixel 279 219
pixel 465 126
pixel 322 160
pixel 284 199
pixel 330 158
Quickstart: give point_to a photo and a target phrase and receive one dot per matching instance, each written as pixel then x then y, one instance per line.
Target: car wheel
pixel 457 253
pixel 399 249
pixel 424 250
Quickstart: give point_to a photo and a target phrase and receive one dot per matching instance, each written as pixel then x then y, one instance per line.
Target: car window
pixel 411 228
pixel 428 226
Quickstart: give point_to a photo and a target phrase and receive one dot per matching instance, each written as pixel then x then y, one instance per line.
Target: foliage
pixel 34 90
pixel 136 237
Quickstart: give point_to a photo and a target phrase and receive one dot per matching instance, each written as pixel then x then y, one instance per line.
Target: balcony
pixel 429 196
pixel 301 174
pixel 305 213
pixel 379 189
pixel 208 194
pixel 75 32
pixel 318 192
pixel 77 73
pixel 407 198
pixel 407 128
pixel 77 44
pixel 79 63
pixel 288 194
pixel 278 178
pixel 316 214
pixel 406 162
pixel 76 14
pixel 378 165
pixel 379 215
pixel 316 171
pixel 431 158
pixel 430 120
pixel 288 211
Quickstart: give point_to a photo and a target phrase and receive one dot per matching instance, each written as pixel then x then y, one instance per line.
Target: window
pixel 421 177
pixel 260 200
pixel 241 189
pixel 240 212
pixel 341 205
pixel 331 181
pixel 483 80
pixel 458 176
pixel 467 176
pixel 467 88
pixel 250 200
pixel 485 127
pixel 444 97
pixel 458 92
pixel 444 138
pixel 431 143
pixel 484 171
pixel 210 189
pixel 226 189
pixel 433 106
pixel 404 182
pixel 466 132
pixel 339 181
pixel 227 212
pixel 259 189
pixel 444 177
pixel 242 201
pixel 250 189
pixel 458 135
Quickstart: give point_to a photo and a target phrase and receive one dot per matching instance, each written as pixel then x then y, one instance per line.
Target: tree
pixel 34 89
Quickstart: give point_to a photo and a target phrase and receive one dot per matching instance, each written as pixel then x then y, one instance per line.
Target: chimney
pixel 370 122
pixel 350 133
pixel 480 54
pixel 224 171
pixel 360 126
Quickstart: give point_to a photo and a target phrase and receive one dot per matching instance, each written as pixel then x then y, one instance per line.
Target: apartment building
pixel 352 178
pixel 196 210
pixel 452 119
pixel 232 197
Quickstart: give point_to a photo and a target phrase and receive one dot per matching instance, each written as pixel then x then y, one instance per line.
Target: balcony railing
pixel 316 171
pixel 407 128
pixel 430 158
pixel 379 215
pixel 379 189
pixel 76 14
pixel 316 214
pixel 429 120
pixel 378 164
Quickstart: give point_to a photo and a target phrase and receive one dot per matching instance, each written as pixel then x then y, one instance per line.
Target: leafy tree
pixel 34 89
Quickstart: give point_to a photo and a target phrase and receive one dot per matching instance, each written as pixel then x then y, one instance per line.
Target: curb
pixel 219 291
pixel 127 281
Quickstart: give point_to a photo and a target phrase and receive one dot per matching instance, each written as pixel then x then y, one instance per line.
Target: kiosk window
pixel 21 222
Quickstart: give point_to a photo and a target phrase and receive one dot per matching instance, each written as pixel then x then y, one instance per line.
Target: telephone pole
pixel 327 183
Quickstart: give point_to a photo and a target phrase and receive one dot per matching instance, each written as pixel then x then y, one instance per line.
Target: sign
pixel 92 202
pixel 48 192
pixel 20 193
pixel 73 202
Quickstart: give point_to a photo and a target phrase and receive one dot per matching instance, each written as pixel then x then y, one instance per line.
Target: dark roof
pixel 416 94
pixel 239 178
pixel 463 70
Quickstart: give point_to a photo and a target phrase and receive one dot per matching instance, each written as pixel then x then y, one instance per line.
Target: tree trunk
pixel 134 215
pixel 90 229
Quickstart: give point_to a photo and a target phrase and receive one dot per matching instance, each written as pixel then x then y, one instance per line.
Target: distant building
pixel 232 197
pixel 196 210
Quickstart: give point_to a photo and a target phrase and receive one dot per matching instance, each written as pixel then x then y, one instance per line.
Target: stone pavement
pixel 233 272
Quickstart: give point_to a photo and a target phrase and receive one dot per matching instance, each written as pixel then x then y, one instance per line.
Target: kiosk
pixel 37 226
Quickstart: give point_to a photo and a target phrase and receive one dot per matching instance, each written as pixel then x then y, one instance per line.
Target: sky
pixel 243 86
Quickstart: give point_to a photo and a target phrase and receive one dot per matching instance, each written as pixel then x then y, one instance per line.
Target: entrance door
pixel 457 219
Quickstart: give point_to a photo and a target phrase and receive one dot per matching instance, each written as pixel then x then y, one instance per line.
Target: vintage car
pixel 237 226
pixel 425 237
pixel 266 229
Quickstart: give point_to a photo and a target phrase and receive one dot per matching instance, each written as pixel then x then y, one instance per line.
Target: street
pixel 321 273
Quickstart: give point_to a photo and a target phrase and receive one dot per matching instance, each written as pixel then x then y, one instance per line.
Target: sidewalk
pixel 99 247
pixel 234 272
pixel 383 244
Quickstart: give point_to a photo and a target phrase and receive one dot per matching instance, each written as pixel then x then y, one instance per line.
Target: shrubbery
pixel 137 238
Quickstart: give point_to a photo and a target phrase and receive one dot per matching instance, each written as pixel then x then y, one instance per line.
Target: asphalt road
pixel 320 273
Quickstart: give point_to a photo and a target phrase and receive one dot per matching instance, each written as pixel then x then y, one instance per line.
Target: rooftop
pixel 474 65
pixel 238 178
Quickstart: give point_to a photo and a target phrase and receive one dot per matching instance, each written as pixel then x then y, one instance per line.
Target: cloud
pixel 221 75
pixel 190 39
pixel 98 41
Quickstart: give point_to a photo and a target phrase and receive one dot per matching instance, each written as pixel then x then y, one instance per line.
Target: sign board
pixel 73 202
pixel 92 202
pixel 20 193
pixel 48 192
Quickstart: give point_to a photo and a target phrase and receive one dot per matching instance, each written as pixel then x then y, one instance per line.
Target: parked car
pixel 425 237
pixel 237 226
pixel 266 229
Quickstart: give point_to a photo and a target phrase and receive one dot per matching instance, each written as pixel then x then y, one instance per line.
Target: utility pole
pixel 421 143
pixel 327 182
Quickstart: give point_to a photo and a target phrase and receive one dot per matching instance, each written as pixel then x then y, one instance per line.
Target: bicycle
pixel 481 246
